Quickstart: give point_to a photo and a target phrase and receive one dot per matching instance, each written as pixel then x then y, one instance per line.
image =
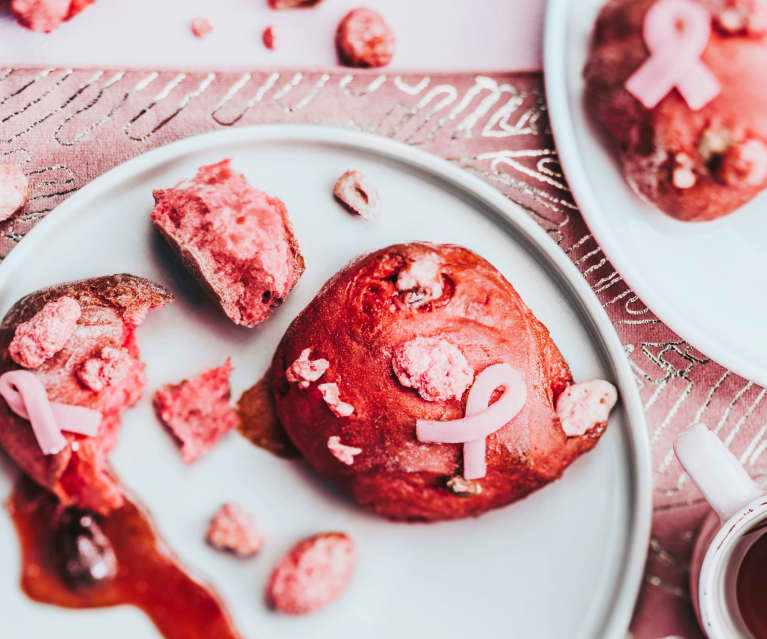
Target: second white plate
pixel 704 280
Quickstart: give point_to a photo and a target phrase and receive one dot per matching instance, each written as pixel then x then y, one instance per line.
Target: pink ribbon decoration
pixel 676 33
pixel 26 396
pixel 481 418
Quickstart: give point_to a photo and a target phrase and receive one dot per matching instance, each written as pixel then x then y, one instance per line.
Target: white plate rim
pixel 618 619
pixel 558 105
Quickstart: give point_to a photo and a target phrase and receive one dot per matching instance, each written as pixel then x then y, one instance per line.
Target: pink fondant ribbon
pixel 676 33
pixel 26 396
pixel 481 419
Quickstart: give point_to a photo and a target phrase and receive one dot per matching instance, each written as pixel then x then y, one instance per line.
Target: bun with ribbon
pixel 448 382
pixel 678 86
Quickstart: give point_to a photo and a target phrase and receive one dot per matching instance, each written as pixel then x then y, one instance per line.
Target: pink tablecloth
pixel 66 127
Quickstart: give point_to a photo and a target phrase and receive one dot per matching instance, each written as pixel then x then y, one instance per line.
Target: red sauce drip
pixel 148 576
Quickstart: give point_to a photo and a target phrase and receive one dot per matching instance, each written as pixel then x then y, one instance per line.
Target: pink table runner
pixel 65 127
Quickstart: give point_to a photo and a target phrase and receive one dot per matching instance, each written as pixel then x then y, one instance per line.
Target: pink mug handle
pixel 718 474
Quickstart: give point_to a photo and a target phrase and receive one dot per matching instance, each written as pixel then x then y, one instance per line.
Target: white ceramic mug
pixel 738 520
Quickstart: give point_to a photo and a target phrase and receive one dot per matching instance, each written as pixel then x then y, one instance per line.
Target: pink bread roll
pixel 692 163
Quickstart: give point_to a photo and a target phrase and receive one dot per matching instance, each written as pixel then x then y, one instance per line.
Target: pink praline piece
pixel 201 27
pixel 343 453
pixel 582 406
pixel 434 366
pixel 332 397
pixel 234 529
pixel 107 368
pixel 303 371
pixel 45 333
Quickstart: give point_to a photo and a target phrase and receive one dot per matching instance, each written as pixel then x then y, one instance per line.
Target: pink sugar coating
pixel 107 368
pixel 434 366
pixel 234 529
pixel 582 406
pixel 332 397
pixel 197 410
pixel 201 27
pixel 45 333
pixel 313 573
pixel 343 453
pixel 234 237
pixel 303 371
pixel 423 274
pixel 14 190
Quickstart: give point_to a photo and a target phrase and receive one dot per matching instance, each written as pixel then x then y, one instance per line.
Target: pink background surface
pixel 66 127
pixel 433 34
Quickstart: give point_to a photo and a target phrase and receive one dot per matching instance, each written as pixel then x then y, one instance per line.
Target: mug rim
pixel 729 533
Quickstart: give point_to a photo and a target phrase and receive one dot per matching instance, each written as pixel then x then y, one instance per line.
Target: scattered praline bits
pixel 461 487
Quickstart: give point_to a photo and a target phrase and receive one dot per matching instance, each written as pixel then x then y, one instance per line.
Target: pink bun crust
pixel 693 165
pixel 111 306
pixel 356 323
pixel 236 241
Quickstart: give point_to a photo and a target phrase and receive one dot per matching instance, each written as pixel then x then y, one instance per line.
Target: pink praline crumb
pixel 744 165
pixel 434 366
pixel 107 368
pixel 343 453
pixel 234 529
pixel 359 194
pixel 423 277
pixel 45 333
pixel 332 397
pixel 14 190
pixel 742 17
pixel 201 27
pixel 365 39
pixel 312 574
pixel 582 406
pixel 269 38
pixel 303 371
pixel 197 410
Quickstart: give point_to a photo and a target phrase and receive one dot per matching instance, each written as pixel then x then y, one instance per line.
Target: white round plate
pixel 705 280
pixel 565 562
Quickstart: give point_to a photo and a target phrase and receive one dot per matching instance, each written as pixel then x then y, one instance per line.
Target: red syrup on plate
pixel 76 559
pixel 751 588
pixel 259 423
